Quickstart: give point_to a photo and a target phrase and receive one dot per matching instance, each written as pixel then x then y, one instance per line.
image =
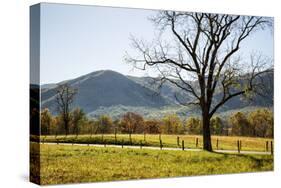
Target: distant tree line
pixel 258 123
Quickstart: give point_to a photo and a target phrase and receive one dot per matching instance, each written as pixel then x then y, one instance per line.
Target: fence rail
pixel 173 141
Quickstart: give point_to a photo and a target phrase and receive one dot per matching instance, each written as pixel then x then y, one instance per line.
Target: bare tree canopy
pixel 198 53
pixel 64 98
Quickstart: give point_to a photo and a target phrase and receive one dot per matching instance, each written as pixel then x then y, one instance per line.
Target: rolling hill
pixel 104 88
pixel 109 92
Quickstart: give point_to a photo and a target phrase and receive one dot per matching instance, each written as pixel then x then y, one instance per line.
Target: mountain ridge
pixel 107 89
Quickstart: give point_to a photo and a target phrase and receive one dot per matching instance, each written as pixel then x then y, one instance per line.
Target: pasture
pixel 173 141
pixel 72 164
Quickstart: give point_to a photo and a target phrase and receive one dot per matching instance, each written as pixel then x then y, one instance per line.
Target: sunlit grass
pixel 224 142
pixel 71 164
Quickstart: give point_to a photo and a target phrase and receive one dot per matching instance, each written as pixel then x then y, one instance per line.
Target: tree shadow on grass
pixel 258 162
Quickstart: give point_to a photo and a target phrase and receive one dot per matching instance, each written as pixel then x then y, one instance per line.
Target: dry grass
pixel 224 142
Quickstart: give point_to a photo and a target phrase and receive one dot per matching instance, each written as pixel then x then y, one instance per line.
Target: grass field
pixel 224 142
pixel 71 164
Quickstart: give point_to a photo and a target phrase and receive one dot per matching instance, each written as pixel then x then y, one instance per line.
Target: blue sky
pixel 76 40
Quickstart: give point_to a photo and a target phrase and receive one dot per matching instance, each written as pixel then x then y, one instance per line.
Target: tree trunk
pixel 207 145
pixel 130 138
pixel 66 127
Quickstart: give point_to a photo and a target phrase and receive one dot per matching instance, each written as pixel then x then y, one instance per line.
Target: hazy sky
pixel 76 40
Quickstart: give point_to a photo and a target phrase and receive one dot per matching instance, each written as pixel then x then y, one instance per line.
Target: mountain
pixel 168 90
pixel 104 88
pixel 109 92
pixel 116 112
pixel 48 86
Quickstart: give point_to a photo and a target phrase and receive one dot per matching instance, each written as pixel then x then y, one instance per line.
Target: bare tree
pixel 200 56
pixel 64 98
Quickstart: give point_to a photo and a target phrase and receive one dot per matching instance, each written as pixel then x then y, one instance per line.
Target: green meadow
pixel 61 164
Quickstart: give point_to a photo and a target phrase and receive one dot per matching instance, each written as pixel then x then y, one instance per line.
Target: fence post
pixel 196 142
pixel 122 143
pixel 115 135
pixel 266 146
pixel 217 143
pixel 104 143
pixel 271 146
pixel 161 144
pixel 183 145
pixel 178 141
pixel 160 137
pixel 141 144
pixel 43 140
pixel 238 146
pixel 130 137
